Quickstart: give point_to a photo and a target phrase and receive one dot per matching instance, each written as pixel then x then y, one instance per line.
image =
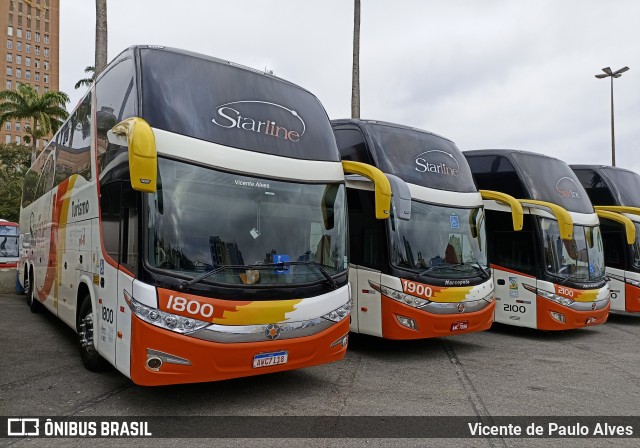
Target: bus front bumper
pixel 553 316
pixel 214 361
pixel 400 321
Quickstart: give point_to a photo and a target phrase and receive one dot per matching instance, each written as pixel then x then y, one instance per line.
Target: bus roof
pixel 417 156
pixel 529 175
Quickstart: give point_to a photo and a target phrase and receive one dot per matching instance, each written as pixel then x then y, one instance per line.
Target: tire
pixel 90 357
pixel 32 301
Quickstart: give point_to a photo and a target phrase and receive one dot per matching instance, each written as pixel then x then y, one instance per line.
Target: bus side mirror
pixel 382 188
pixel 143 158
pixel 401 197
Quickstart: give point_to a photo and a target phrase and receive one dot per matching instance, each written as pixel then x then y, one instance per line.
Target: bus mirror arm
pixel 517 212
pixel 401 197
pixel 629 227
pixel 143 158
pixel 381 185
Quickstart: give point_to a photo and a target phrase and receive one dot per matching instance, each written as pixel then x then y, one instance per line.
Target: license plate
pixel 591 320
pixel 269 359
pixel 460 325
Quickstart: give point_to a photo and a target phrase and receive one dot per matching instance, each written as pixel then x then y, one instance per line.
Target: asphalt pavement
pixel 506 371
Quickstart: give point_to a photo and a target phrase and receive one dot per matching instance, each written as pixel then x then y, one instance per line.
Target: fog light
pixel 557 316
pixel 407 322
pixel 344 340
pixel 154 363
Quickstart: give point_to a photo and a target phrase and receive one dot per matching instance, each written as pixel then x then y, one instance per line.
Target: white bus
pixel 9 252
pixel 615 193
pixel 422 273
pixel 189 222
pixel 549 275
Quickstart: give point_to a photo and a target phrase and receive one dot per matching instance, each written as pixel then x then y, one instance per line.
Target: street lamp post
pixel 608 73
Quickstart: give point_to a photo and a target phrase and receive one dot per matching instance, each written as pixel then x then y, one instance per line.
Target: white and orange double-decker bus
pixel 549 274
pixel 422 273
pixel 615 194
pixel 189 222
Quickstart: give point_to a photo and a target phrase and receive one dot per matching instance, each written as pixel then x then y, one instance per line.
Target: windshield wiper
pixel 573 277
pixel 435 268
pixel 484 271
pixel 281 266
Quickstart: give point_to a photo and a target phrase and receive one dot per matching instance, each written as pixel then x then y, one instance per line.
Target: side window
pixel 115 101
pixel 615 244
pixel 508 248
pixel 129 225
pixel 45 183
pixel 596 187
pixel 73 144
pixel 110 201
pixel 31 184
pixel 352 146
pixel 367 235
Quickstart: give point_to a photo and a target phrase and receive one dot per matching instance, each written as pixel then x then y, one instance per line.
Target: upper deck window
pixel 421 158
pixel 215 101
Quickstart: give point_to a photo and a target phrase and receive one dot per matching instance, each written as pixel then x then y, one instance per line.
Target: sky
pixel 483 73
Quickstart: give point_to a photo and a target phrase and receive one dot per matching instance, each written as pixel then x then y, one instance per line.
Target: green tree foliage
pixel 14 162
pixel 90 69
pixel 46 112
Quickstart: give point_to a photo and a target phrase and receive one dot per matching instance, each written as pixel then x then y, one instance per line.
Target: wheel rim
pixel 86 332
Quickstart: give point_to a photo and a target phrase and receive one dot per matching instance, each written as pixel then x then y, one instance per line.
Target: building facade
pixel 29 52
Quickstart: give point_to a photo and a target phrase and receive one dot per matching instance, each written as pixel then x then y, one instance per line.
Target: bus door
pixel 367 302
pixel 513 261
pixel 515 302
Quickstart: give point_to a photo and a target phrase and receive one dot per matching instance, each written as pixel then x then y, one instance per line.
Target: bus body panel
pixel 353 293
pixel 123 318
pixel 210 361
pixel 368 304
pixel 617 289
pixel 573 319
pixel 431 325
pixel 515 305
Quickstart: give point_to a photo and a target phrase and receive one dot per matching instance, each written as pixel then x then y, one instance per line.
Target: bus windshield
pixel 581 258
pixel 441 241
pixel 9 241
pixel 636 247
pixel 202 220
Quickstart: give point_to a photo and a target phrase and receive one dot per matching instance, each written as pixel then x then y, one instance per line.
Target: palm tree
pixel 87 81
pixel 101 36
pixel 355 75
pixel 46 112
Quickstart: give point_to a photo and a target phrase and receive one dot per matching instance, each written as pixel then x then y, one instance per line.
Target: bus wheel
pixel 88 353
pixel 32 301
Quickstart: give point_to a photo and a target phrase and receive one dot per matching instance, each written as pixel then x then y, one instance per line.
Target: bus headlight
pixel 162 319
pixel 549 296
pixel 339 313
pixel 398 296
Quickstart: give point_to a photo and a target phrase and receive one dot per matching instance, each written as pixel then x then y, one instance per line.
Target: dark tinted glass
pixel 73 148
pixel 496 173
pixel 508 248
pixel 367 235
pixel 218 102
pixel 596 187
pixel 553 181
pixel 421 158
pixel 627 186
pixel 352 146
pixel 615 244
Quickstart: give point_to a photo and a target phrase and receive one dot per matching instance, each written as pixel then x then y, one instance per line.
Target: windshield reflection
pixel 442 241
pixel 202 220
pixel 581 258
pixel 9 241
